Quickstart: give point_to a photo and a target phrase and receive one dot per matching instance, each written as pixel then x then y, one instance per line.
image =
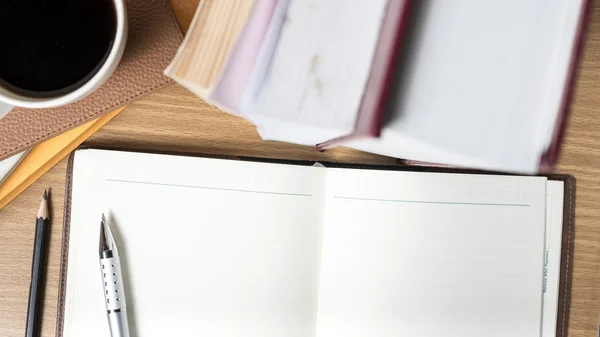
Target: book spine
pixel 377 89
pixel 550 156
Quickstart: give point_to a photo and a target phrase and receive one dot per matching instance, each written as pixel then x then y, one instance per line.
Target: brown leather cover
pixel 152 42
pixel 566 254
pixel 566 263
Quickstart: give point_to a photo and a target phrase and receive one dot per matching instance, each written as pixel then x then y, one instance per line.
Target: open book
pixel 216 247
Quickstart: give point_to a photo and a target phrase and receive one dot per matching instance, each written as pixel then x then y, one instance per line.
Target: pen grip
pixel 119 325
pixel 114 295
pixel 112 281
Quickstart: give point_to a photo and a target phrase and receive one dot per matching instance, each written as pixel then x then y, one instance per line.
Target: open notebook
pixel 214 247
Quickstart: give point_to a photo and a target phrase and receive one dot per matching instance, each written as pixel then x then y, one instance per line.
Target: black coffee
pixel 51 47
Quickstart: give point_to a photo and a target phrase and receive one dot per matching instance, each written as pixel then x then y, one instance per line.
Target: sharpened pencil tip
pixel 43 210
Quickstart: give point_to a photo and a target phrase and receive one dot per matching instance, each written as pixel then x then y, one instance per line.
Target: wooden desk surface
pixel 174 119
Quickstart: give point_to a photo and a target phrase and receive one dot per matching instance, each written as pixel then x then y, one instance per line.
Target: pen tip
pixel 106 237
pixel 45 195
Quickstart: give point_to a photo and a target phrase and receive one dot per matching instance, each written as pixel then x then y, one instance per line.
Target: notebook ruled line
pixel 431 202
pixel 208 188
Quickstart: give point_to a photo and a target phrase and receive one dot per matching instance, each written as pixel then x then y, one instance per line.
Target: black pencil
pixel 36 289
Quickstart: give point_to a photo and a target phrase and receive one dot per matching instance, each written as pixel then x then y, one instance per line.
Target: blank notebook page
pixel 428 255
pixel 209 247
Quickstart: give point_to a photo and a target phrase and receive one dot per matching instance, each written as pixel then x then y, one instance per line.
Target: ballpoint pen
pixel 112 280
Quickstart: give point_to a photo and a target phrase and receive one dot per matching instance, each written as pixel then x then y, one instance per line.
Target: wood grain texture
pixel 175 120
pixel 581 158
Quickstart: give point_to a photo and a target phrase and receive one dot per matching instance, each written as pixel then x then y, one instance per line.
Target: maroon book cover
pixel 371 109
pixel 550 157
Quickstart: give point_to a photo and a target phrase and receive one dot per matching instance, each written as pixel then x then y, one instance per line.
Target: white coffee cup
pixel 9 99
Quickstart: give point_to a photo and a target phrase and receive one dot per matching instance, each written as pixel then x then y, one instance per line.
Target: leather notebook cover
pixel 564 296
pixel 154 36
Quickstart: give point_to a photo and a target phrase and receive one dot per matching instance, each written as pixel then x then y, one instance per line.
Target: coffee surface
pixel 50 47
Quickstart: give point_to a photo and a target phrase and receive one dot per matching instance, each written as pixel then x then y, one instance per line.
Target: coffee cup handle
pixel 4 109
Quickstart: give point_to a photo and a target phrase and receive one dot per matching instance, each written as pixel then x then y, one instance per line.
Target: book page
pixel 208 43
pixel 8 165
pixel 554 225
pixel 427 255
pixel 209 247
pixel 244 55
pixel 319 70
